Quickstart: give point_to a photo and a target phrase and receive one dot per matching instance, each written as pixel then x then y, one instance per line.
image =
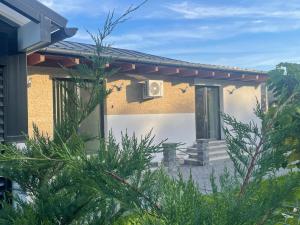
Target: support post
pixel 203 151
pixel 169 151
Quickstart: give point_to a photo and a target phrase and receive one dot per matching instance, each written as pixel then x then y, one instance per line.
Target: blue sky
pixel 246 33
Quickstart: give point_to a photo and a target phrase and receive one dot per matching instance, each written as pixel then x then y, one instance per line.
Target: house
pixel 180 101
pixel 25 26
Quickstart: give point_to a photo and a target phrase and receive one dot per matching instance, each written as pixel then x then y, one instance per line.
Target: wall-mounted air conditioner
pixel 153 89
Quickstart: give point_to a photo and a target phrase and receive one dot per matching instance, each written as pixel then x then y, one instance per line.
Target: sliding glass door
pixel 208 113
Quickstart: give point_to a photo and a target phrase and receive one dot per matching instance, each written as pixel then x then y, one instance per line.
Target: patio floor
pixel 201 174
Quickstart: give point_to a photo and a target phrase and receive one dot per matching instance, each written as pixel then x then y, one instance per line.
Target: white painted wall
pixel 242 102
pixel 173 127
pixel 16 190
pixel 90 125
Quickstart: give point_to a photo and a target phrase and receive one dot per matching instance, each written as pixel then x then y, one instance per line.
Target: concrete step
pixel 213 143
pixel 217 142
pixel 211 157
pixel 217 152
pixel 192 162
pixel 219 158
pixel 181 156
pixel 193 156
pixel 217 148
pixel 192 150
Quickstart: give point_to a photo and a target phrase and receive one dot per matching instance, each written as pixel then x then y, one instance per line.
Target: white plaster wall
pixel 16 191
pixel 173 127
pixel 242 102
pixel 90 125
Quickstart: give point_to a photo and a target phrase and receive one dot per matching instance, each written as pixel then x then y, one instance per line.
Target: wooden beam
pixel 215 74
pixel 125 67
pixel 70 62
pixel 206 74
pixel 35 59
pixel 249 77
pixel 189 72
pixel 147 69
pixel 169 70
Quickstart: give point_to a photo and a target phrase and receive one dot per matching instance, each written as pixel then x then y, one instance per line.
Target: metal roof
pixel 82 49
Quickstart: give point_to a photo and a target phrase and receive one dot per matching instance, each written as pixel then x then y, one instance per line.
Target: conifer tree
pixel 62 184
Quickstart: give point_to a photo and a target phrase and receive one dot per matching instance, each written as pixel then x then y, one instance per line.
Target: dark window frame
pixel 57 113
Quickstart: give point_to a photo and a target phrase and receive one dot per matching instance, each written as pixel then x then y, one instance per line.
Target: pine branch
pixel 251 168
pixel 123 181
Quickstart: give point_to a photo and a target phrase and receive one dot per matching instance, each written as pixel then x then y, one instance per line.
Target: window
pixel 61 100
pixel 208 112
pixel 64 106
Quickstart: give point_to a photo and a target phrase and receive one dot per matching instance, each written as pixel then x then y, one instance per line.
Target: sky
pixel 255 34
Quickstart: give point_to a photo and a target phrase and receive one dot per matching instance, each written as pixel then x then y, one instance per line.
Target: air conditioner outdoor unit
pixel 153 89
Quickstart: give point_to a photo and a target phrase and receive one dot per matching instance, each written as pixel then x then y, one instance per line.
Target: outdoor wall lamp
pixel 118 87
pixel 231 91
pixel 183 90
pixel 29 81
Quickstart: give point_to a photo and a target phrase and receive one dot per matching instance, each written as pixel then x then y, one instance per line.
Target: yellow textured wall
pixel 40 99
pixel 179 96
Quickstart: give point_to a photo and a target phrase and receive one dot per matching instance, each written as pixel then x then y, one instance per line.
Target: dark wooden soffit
pixel 37 59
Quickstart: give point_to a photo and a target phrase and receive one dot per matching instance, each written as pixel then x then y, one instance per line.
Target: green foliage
pixel 67 186
pixel 285 111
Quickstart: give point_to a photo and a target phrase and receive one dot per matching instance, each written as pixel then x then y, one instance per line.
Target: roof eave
pixel 68 52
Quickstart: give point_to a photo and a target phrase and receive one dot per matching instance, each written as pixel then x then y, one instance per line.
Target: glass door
pixel 207 113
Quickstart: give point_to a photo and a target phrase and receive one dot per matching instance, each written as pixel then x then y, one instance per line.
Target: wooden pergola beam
pixel 254 78
pixel 207 74
pixel 144 68
pixel 70 62
pixel 189 72
pixel 35 59
pixel 125 67
pixel 147 69
pixel 169 70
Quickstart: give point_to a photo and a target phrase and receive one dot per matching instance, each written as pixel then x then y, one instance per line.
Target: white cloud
pixel 147 39
pixel 190 10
